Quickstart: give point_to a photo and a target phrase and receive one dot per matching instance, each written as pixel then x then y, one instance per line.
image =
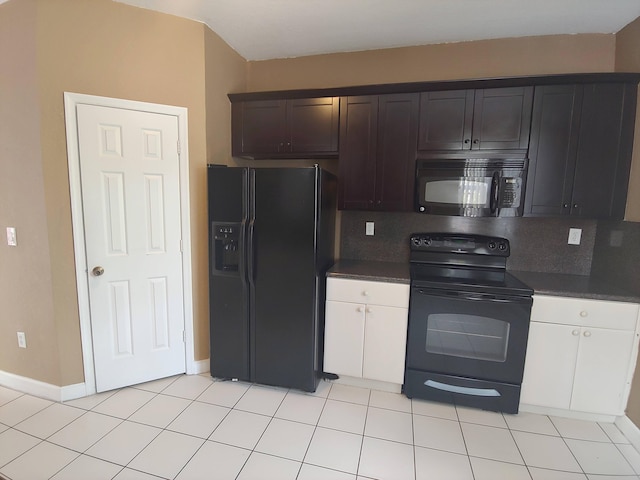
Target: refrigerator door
pixel 228 289
pixel 284 276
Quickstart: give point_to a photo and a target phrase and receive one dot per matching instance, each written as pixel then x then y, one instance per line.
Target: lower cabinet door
pixel 603 363
pixel 550 365
pixel 385 340
pixel 344 338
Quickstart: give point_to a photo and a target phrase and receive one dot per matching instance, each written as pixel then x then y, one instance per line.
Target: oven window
pixel 467 336
pixel 463 191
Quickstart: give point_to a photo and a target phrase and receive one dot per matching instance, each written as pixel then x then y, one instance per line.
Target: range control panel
pixel 459 243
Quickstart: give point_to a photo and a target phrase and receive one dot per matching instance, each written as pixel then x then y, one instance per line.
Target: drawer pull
pixel 584 313
pixel 587 333
pixel 365 293
pixel 575 333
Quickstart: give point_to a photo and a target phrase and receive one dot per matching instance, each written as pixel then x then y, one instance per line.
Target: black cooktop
pixel 463 262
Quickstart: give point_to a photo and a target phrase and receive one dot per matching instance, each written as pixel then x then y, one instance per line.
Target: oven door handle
pixel 475 297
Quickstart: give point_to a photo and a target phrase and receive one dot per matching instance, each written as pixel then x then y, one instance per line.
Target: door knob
pixel 97 271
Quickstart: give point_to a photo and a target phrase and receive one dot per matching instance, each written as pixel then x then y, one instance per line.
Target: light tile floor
pixel 194 427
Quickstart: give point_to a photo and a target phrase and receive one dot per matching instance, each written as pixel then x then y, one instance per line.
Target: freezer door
pixel 228 286
pixel 283 233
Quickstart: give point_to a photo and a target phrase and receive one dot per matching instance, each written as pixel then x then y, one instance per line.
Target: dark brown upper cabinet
pixel 378 136
pixel 481 119
pixel 580 153
pixel 293 128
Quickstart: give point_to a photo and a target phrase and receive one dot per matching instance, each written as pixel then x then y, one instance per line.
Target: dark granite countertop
pixel 580 286
pixel 393 272
pixel 556 284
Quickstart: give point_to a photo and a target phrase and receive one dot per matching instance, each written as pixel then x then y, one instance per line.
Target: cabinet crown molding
pixel 411 87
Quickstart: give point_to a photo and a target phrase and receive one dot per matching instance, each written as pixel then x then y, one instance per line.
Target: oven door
pixel 473 335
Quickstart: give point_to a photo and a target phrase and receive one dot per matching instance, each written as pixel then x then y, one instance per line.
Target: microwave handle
pixel 495 192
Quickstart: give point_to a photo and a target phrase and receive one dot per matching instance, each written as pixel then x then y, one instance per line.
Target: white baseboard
pixel 630 430
pixel 199 366
pixel 42 389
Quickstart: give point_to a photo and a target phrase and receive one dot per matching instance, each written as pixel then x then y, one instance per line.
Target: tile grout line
pixel 315 429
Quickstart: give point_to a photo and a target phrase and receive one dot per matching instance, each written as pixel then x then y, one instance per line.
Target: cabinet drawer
pixel 585 312
pixel 362 291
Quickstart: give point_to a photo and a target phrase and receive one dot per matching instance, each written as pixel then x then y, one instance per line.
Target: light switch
pixel 12 240
pixel 369 228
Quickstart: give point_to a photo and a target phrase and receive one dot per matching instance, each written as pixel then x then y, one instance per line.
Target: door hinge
pixel 178 145
pixel 181 247
pixel 184 336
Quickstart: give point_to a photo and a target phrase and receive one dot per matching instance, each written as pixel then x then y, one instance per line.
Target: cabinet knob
pixel 584 313
pixel 587 333
pixel 575 205
pixel 565 205
pixel 476 141
pixel 467 141
pixel 360 309
pixel 575 333
pixel 365 293
pixel 368 310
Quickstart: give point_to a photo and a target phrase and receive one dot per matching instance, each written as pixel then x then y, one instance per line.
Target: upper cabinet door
pixel 445 120
pixel 552 153
pixel 602 168
pixel 378 136
pixel 294 128
pixel 313 125
pixel 502 118
pixel 487 119
pixel 358 144
pixel 258 127
pixel 396 152
pixel 580 154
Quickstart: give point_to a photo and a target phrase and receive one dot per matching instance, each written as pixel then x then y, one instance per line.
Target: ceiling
pixel 266 29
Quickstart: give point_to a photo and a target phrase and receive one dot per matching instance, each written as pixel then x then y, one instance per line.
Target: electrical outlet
pixel 574 236
pixel 12 240
pixel 369 228
pixel 22 340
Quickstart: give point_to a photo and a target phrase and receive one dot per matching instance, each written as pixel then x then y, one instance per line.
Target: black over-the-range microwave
pixel 471 187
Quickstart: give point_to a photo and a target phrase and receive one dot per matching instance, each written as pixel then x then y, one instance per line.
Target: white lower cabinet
pixel 581 354
pixel 366 329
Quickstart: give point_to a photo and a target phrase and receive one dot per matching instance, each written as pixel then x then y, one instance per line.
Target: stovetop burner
pixel 463 262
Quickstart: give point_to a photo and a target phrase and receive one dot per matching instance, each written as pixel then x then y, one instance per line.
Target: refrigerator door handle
pixel 251 259
pixel 250 254
pixel 242 258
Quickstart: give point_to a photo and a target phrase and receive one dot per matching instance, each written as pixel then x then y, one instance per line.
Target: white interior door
pixel 129 171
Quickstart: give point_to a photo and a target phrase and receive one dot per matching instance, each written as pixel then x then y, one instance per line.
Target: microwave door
pixel 457 194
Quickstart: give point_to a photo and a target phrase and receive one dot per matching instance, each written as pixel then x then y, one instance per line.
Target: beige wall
pixel 451 61
pixel 628 60
pixel 26 298
pixel 95 47
pixel 225 71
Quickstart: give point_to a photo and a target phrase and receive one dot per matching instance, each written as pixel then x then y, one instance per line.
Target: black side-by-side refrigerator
pixel 271 234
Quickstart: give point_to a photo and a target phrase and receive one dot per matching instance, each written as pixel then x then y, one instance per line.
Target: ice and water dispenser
pixel 226 237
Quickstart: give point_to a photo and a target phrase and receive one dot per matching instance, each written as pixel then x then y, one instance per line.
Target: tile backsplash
pixel 537 244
